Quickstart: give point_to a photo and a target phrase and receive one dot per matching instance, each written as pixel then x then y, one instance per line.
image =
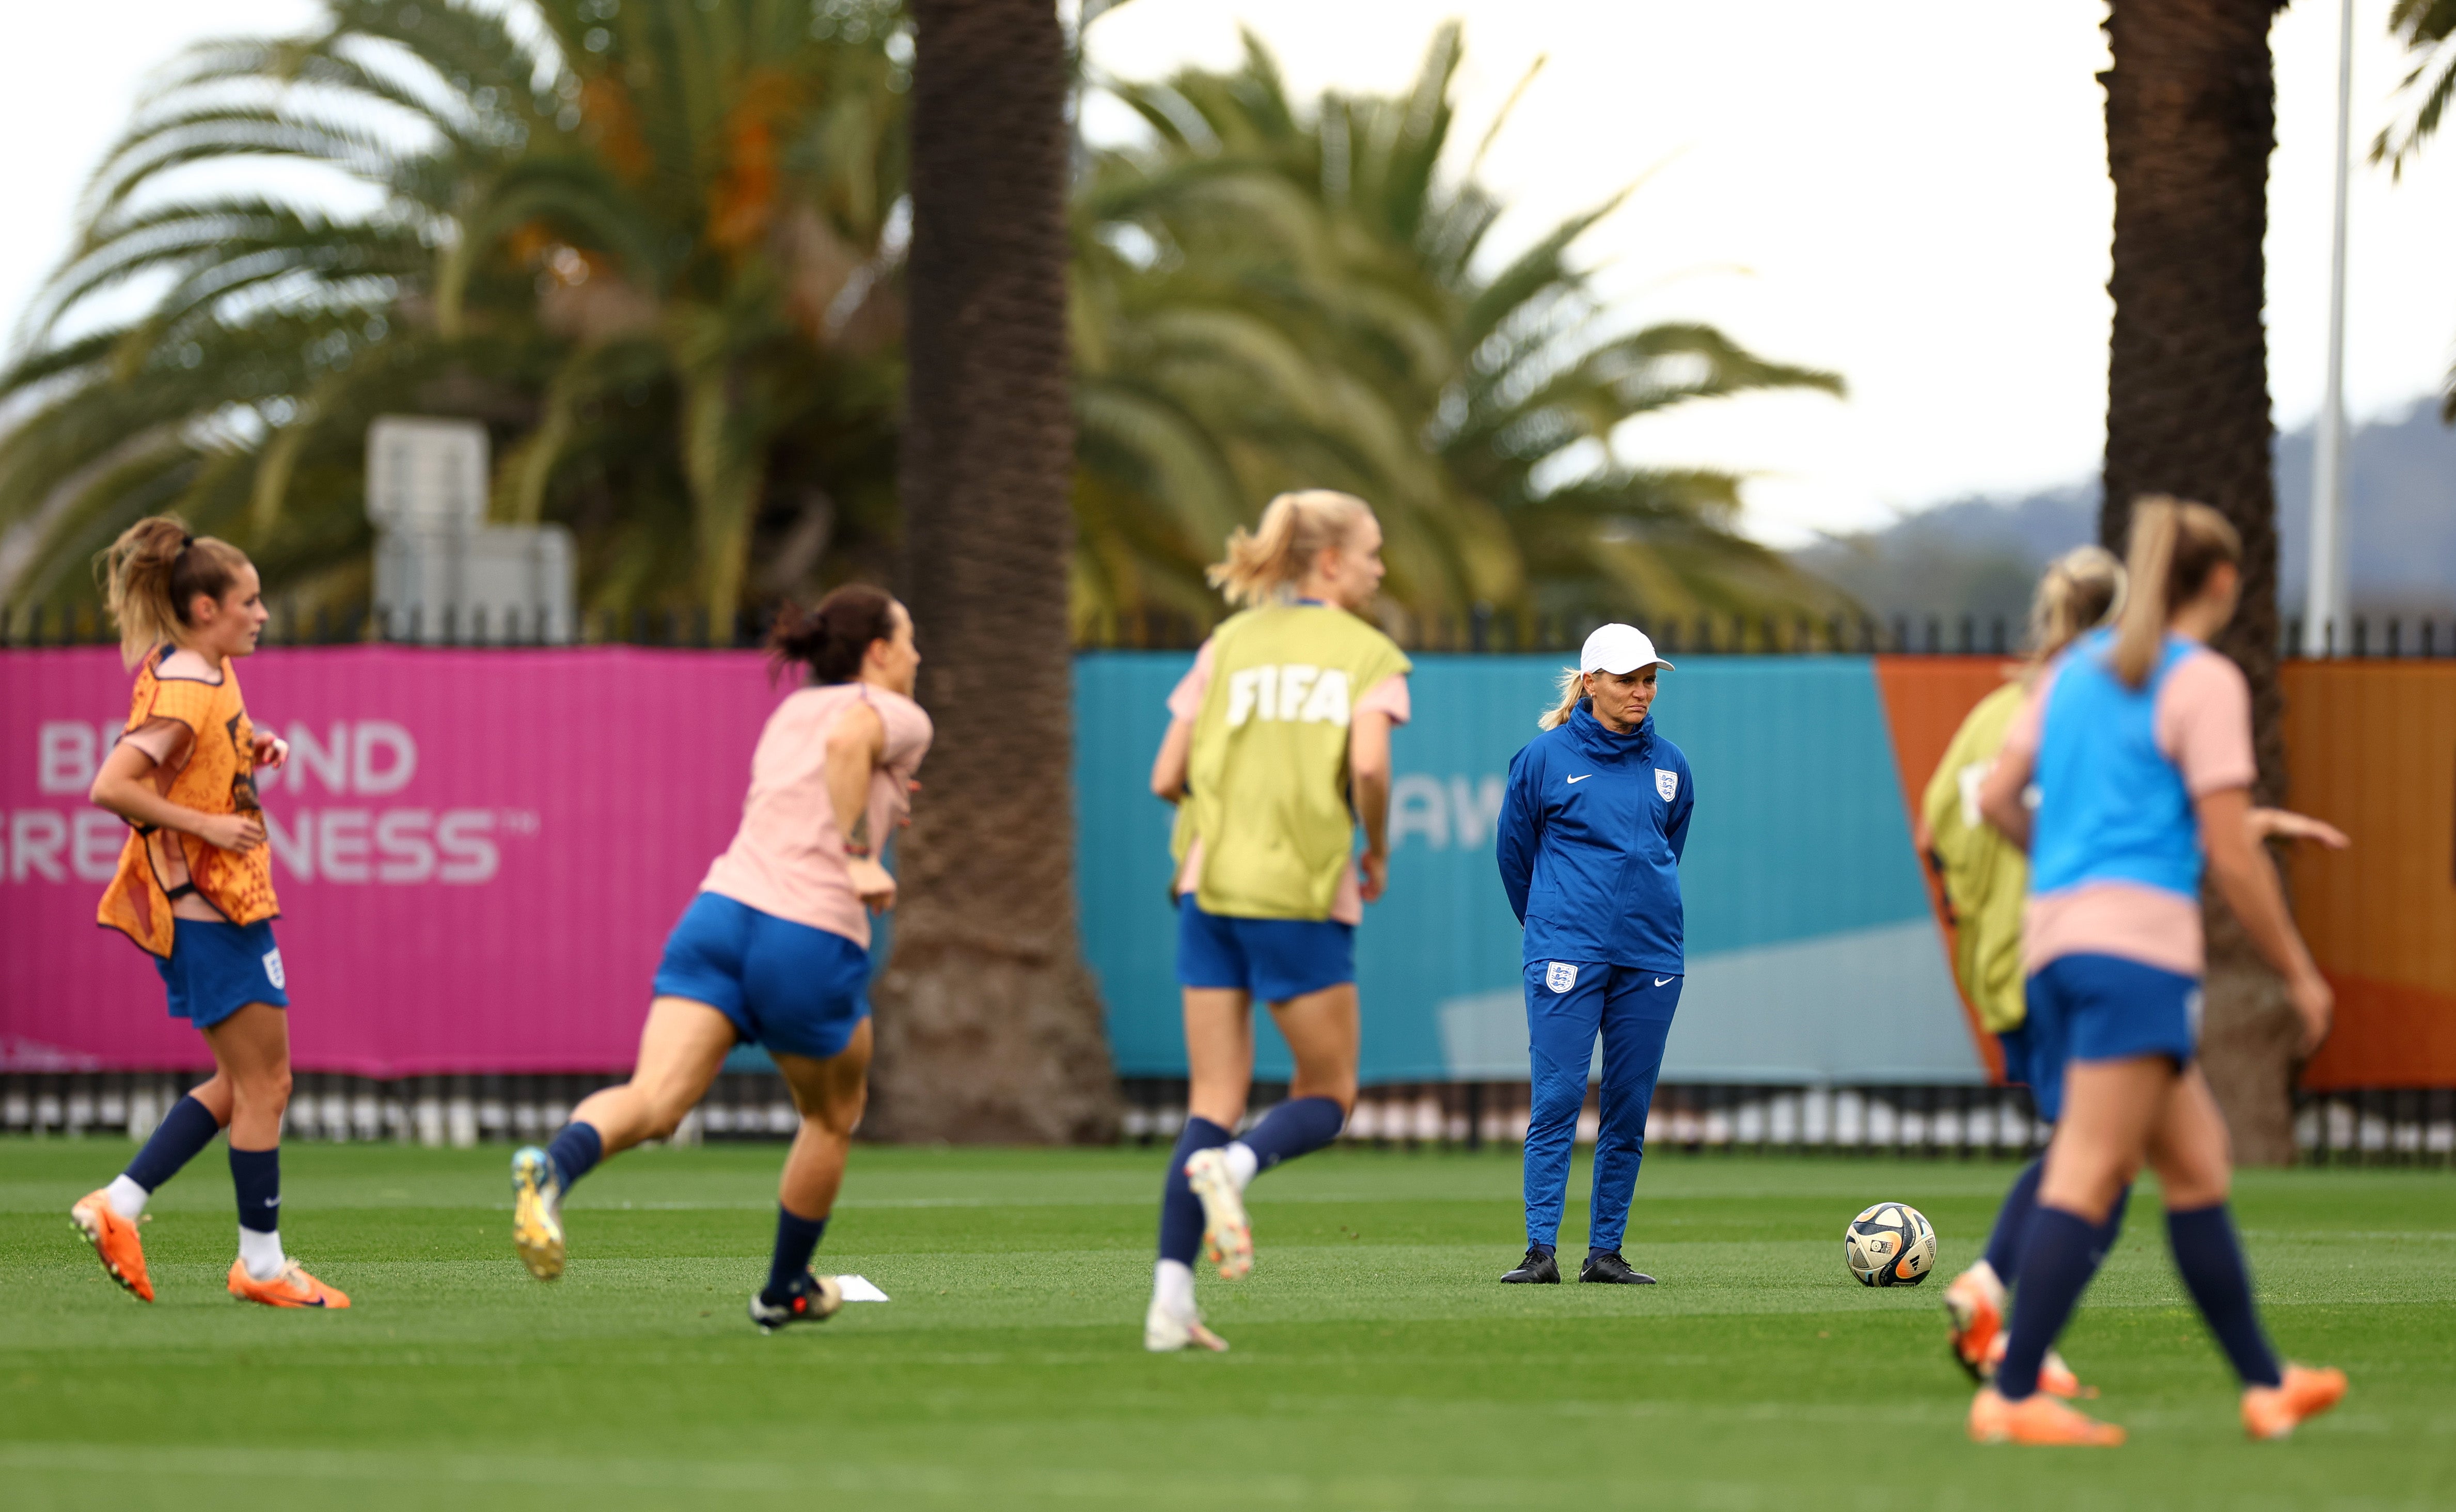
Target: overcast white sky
pixel 1913 194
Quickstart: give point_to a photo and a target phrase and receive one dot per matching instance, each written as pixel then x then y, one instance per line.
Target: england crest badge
pixel 1667 783
pixel 1560 976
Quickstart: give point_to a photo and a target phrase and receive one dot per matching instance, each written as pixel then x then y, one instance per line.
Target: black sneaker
pixel 1614 1269
pixel 810 1299
pixel 1538 1269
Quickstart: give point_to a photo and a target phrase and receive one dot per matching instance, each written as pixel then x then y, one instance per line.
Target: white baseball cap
pixel 1619 649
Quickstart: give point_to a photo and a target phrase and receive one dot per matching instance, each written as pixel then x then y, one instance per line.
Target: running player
pixel 775 949
pixel 2139 744
pixel 1985 878
pixel 194 890
pixel 1591 832
pixel 1277 748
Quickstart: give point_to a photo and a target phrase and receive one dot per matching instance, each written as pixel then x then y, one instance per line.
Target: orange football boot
pixel 2272 1412
pixel 2036 1419
pixel 1973 1311
pixel 114 1243
pixel 292 1288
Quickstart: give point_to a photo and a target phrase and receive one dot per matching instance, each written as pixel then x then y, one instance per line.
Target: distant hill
pixel 1980 556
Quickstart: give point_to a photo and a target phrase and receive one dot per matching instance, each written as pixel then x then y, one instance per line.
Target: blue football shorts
pixel 2105 1007
pixel 1274 959
pixel 795 990
pixel 215 968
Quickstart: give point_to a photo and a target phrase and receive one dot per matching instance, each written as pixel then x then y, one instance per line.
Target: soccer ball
pixel 1890 1244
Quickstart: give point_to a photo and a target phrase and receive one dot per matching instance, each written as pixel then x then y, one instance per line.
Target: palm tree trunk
pixel 989 1024
pixel 2190 123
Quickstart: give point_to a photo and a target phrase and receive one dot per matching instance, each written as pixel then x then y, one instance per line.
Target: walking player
pixel 195 890
pixel 1279 749
pixel 1591 830
pixel 2139 744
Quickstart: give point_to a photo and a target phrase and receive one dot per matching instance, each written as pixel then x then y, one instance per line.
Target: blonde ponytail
pixel 1573 688
pixel 2175 546
pixel 1263 562
pixel 2082 590
pixel 151 575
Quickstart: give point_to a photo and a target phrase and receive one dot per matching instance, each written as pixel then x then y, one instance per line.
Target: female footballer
pixel 776 948
pixel 194 890
pixel 1277 748
pixel 2138 741
pixel 1592 826
pixel 1985 878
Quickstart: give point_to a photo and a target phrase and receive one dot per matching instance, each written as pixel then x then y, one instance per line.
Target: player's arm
pixel 2284 823
pixel 1368 777
pixel 856 746
pixel 1168 767
pixel 1999 796
pixel 126 787
pixel 2247 880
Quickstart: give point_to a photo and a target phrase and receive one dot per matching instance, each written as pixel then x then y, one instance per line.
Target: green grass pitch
pixel 1377 1363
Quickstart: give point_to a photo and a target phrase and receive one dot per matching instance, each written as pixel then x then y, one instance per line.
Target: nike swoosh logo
pixel 1581 777
pixel 1660 980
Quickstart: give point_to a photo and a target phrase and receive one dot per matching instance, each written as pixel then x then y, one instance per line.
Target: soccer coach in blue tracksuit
pixel 1589 841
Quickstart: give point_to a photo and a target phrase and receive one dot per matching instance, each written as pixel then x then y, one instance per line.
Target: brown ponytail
pixel 151 575
pixel 832 638
pixel 2175 547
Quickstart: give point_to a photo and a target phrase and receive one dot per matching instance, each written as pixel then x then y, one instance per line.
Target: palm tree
pixel 2428 28
pixel 989 1024
pixel 1268 295
pixel 2190 122
pixel 652 246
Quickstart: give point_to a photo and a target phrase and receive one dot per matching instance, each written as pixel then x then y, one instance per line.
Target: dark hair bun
pixel 832 638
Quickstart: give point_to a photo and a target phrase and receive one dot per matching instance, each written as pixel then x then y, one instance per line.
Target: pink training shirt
pixel 787 857
pixel 1389 697
pixel 2202 724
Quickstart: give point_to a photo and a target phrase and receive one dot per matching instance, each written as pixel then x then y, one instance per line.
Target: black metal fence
pixel 2406 1128
pixel 1485 630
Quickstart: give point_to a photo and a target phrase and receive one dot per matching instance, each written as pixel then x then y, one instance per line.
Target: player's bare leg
pixel 682 1047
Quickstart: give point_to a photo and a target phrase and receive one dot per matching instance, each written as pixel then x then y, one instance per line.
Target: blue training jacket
pixel 1589 841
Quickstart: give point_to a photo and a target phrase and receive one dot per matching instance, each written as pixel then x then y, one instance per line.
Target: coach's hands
pixel 871 883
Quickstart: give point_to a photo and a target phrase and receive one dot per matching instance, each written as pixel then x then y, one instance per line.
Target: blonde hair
pixel 151 575
pixel 2082 590
pixel 1573 688
pixel 1263 563
pixel 2175 547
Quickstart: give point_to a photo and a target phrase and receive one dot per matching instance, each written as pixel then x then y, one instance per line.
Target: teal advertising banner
pixel 1812 956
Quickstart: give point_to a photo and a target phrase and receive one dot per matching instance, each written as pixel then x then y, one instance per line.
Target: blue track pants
pixel 1567 1003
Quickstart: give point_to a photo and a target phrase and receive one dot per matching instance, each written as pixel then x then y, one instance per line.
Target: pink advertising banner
pixel 478 853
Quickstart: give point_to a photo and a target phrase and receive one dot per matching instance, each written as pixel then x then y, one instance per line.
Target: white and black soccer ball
pixel 1890 1244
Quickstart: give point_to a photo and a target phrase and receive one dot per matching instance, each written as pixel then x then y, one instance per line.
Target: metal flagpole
pixel 2325 626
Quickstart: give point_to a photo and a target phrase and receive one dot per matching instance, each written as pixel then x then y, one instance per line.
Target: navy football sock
pixel 796 1237
pixel 2060 1256
pixel 2211 1260
pixel 257 1176
pixel 2012 1222
pixel 178 1138
pixel 1297 1126
pixel 1180 1210
pixel 575 1152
